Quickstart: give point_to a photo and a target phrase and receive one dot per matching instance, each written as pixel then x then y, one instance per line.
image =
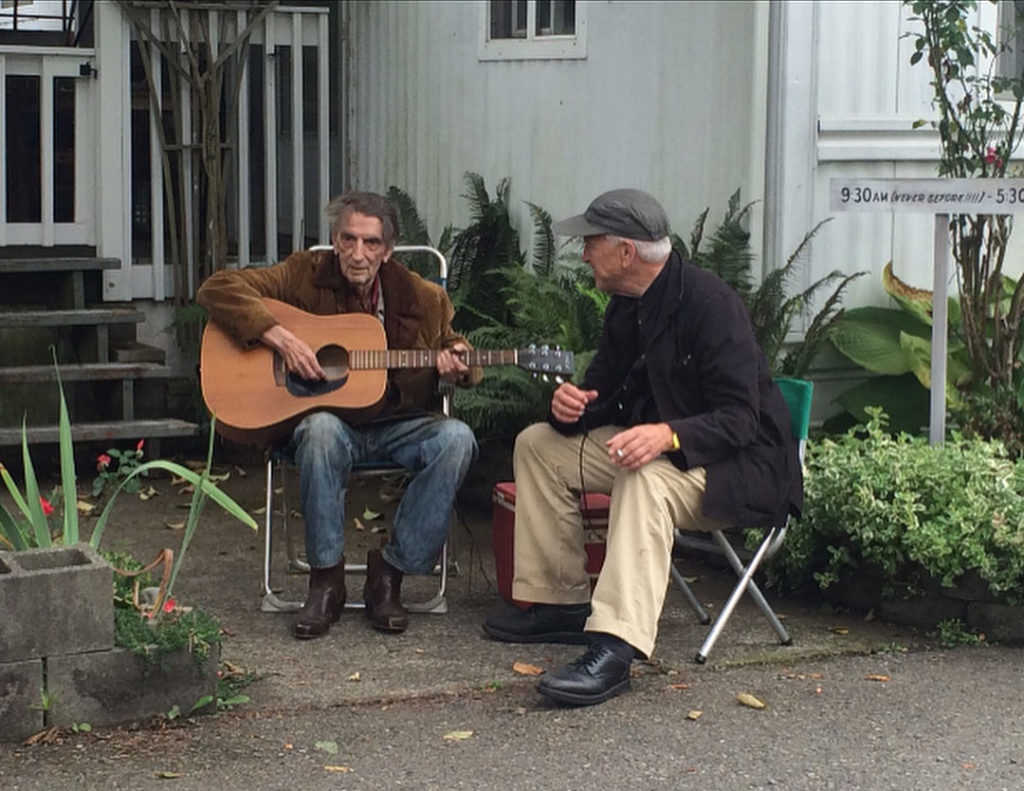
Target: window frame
pixel 533 47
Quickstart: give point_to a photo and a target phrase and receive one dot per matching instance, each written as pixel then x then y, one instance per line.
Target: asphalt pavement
pixel 853 703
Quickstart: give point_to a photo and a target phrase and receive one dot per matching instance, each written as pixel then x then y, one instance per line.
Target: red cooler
pixel 595 525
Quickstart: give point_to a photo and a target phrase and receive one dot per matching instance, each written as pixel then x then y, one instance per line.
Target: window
pixel 533 29
pixel 1011 32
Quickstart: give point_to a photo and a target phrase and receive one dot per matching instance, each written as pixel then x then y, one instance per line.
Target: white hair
pixel 650 252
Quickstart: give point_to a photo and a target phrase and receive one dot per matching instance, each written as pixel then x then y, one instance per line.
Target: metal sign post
pixel 940 197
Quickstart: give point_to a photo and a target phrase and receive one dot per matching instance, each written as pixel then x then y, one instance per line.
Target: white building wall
pixel 669 98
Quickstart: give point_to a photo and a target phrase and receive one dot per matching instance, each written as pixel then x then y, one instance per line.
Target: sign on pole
pixel 940 197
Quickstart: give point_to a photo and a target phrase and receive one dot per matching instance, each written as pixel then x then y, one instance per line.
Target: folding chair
pixel 797 393
pixel 278 461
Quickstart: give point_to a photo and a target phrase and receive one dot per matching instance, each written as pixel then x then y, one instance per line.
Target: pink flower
pixel 169 605
pixel 992 158
pixel 138 448
pixel 47 508
pixel 102 461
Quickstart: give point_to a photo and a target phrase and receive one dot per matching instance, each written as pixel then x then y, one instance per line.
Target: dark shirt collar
pixel 649 303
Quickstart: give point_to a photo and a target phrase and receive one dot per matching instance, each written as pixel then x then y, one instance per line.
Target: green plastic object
pixel 798 393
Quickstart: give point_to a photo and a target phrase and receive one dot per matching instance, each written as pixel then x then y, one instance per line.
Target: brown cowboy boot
pixel 324 604
pixel 383 595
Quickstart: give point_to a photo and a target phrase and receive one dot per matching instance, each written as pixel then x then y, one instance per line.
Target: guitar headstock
pixel 547 361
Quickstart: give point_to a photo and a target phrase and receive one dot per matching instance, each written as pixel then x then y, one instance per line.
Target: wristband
pixel 675 441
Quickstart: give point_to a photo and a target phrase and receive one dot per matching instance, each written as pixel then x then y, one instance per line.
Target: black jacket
pixel 710 381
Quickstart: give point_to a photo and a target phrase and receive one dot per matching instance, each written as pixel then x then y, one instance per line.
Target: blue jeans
pixel 438 450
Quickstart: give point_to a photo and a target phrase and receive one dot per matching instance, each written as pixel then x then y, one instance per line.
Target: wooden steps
pixel 83 372
pixel 101 431
pixel 104 338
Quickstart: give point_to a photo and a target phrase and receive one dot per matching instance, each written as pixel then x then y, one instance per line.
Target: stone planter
pixel 55 601
pixel 969 601
pixel 58 663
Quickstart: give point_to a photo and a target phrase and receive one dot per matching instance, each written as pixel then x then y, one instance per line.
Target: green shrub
pixel 909 510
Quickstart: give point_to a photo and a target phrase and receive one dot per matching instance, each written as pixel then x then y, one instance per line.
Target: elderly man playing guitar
pixel 406 427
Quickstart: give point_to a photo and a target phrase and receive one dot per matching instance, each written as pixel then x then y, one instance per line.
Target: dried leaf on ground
pixel 343 769
pixel 839 630
pixel 85 508
pixel 694 714
pixel 747 699
pixel 679 686
pixel 147 493
pixel 173 525
pixel 354 677
pixel 240 471
pixel 526 669
pixel 168 775
pixel 218 478
pixel 259 511
pixel 187 489
pixel 359 525
pixel 378 529
pixel 457 736
pixel 371 515
pixel 328 747
pixel 877 677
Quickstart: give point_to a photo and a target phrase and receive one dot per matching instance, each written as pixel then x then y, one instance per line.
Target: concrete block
pixel 922 611
pixel 113 687
pixel 57 601
pixel 1000 623
pixel 21 699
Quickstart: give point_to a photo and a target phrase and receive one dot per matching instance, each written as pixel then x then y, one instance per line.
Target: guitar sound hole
pixel 334 360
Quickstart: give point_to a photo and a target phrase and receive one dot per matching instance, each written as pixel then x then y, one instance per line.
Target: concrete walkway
pixel 358 709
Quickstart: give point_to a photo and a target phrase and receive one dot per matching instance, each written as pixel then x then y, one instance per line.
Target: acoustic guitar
pixel 256 400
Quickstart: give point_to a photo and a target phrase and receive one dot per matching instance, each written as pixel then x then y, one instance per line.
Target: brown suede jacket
pixel 417 313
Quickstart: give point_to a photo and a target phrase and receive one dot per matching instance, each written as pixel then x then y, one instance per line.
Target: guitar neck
pixel 376 359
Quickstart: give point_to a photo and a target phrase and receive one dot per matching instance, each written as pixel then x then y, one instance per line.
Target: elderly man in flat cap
pixel 677 418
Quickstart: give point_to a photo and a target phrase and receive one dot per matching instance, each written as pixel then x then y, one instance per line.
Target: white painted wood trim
pixel 324 130
pixel 270 149
pixel 3 159
pixel 46 151
pixel 298 136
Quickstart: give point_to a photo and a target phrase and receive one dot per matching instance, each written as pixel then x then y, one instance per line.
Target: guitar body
pixel 253 398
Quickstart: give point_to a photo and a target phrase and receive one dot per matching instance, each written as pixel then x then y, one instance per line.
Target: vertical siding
pixel 666 100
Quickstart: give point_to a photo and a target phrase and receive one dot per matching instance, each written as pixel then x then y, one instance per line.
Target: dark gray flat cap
pixel 629 213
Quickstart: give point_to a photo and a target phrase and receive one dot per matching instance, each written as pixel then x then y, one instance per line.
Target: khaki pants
pixel 646 505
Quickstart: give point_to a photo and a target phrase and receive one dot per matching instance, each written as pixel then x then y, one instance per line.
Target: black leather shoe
pixel 593 678
pixel 540 623
pixel 382 595
pixel 324 604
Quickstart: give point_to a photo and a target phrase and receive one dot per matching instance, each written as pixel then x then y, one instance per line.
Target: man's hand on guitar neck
pixel 298 357
pixel 449 363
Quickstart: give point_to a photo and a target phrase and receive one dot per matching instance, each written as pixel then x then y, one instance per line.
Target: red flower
pixel 992 158
pixel 169 605
pixel 47 508
pixel 102 461
pixel 138 448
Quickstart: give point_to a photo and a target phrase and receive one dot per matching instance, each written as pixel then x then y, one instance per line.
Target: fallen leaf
pixel 147 493
pixel 378 529
pixel 678 686
pixel 839 630
pixel 354 677
pixel 815 676
pixel 328 747
pixel 525 669
pixel 219 478
pixel 85 508
pixel 337 768
pixel 419 651
pixel 520 710
pixel 877 677
pixel 694 714
pixel 259 511
pixel 749 700
pixel 167 775
pixel 176 480
pixel 240 471
pixel 195 465
pixel 968 765
pixel 457 736
pixel 359 525
pixel 173 525
pixel 187 489
pixel 371 515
